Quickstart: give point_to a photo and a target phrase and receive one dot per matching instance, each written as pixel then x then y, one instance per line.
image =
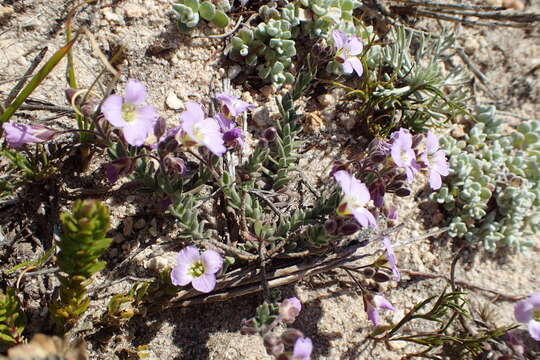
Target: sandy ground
pixel 177 67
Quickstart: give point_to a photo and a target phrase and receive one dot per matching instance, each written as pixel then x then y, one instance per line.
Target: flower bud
pixel 290 336
pixel 270 134
pixel 391 213
pixel 377 157
pixel 368 272
pixel 176 164
pixel 70 93
pixel 331 227
pixel 289 309
pixel 118 168
pixel 402 192
pixel 248 327
pixel 273 344
pixel 349 228
pixel 381 277
pixel 160 127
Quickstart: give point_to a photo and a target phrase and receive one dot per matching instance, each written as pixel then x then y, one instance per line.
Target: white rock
pixel 5 11
pixel 173 102
pixel 234 71
pixel 326 100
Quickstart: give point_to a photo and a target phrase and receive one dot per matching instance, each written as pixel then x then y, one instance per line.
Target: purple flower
pixel 391 257
pixel 372 305
pixel 200 130
pixel 403 153
pixel 195 268
pixel 528 311
pixel 19 134
pixel 347 50
pixel 435 160
pixel 289 309
pixel 356 196
pixel 130 113
pixel 231 133
pixel 233 105
pixel 302 349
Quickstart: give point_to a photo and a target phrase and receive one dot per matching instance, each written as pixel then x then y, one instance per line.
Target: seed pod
pixel 381 277
pixel 402 192
pixel 368 272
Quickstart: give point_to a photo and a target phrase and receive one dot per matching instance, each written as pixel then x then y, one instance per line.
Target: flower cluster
pixel 267 320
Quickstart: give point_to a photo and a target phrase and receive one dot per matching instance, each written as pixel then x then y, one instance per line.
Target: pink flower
pixel 19 134
pixel 289 309
pixel 391 256
pixel 528 311
pixel 302 349
pixel 195 268
pixel 356 196
pixel 435 160
pixel 130 113
pixel 200 130
pixel 403 154
pixel 347 50
pixel 372 305
pixel 233 105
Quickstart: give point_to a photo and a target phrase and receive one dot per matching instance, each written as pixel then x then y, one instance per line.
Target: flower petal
pixel 180 275
pixel 188 255
pixel 137 132
pixel 135 92
pixel 364 217
pixel 534 299
pixel 435 180
pixel 432 142
pixel 212 261
pixel 343 178
pixel 355 46
pixel 194 112
pixel 381 303
pixel 112 110
pixel 347 66
pixel 373 315
pixel 302 348
pixel 204 283
pixel 339 38
pixel 357 65
pixel 534 329
pixel 523 311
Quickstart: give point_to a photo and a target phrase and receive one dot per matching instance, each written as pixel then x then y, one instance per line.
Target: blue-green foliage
pixel 191 11
pixel 493 192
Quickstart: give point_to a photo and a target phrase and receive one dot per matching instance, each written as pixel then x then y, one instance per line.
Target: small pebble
pixel 173 102
pixel 326 100
pixel 514 5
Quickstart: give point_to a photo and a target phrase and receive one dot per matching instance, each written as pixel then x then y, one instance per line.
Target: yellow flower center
pixel 196 269
pixel 536 314
pixel 129 112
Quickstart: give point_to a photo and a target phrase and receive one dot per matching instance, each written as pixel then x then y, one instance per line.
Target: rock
pixel 496 3
pixel 261 116
pixel 267 90
pixel 133 10
pixel 173 102
pixel 514 4
pixel 326 100
pixel 471 45
pixel 140 224
pixel 5 11
pixel 234 71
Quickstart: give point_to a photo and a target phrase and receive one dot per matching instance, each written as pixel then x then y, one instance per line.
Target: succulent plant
pixel 493 192
pixel 191 11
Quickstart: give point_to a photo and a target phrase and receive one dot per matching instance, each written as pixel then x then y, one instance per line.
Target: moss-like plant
pixel 83 241
pixel 12 319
